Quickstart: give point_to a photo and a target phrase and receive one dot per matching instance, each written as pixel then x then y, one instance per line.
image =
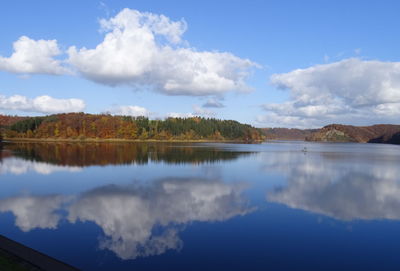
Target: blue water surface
pixel 205 206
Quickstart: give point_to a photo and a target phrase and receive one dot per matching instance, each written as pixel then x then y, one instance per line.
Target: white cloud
pixel 145 49
pixel 197 112
pixel 33 57
pixel 41 104
pixel 180 115
pixel 387 109
pixel 213 103
pixel 349 91
pixel 129 110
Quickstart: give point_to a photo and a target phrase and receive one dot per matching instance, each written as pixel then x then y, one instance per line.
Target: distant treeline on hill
pixel 287 133
pixel 85 126
pixel 380 133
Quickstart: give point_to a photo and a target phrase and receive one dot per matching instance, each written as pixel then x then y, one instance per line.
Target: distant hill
pixel 381 133
pixel 287 133
pixel 81 126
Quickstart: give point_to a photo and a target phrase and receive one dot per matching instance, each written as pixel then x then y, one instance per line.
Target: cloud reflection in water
pixel 33 212
pixel 18 166
pixel 130 215
pixel 137 220
pixel 337 185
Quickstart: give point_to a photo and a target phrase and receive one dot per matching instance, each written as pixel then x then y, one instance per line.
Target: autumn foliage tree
pixel 83 126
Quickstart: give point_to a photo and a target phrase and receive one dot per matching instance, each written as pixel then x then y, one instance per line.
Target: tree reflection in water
pixel 87 154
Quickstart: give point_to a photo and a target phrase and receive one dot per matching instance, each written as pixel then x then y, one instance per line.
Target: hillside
pixel 287 133
pixel 381 133
pixel 80 126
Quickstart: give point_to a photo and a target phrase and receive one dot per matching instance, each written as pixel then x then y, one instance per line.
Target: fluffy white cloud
pixel 145 49
pixel 33 57
pixel 41 104
pixel 348 91
pixel 129 110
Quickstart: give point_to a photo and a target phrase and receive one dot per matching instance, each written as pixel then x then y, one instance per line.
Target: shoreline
pixel 16 256
pixel 120 140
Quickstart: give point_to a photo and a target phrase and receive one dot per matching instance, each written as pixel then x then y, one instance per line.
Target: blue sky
pixel 267 63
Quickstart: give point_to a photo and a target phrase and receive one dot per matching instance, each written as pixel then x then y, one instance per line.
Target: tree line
pixel 103 126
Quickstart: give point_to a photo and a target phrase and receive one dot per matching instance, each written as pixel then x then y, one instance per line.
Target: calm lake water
pixel 205 206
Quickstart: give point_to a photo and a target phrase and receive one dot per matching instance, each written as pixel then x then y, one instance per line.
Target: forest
pixel 81 126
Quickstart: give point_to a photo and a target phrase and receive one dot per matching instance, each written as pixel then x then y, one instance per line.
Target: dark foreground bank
pixel 15 256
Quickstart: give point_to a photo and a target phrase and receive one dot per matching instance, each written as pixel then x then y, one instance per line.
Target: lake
pixel 205 206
